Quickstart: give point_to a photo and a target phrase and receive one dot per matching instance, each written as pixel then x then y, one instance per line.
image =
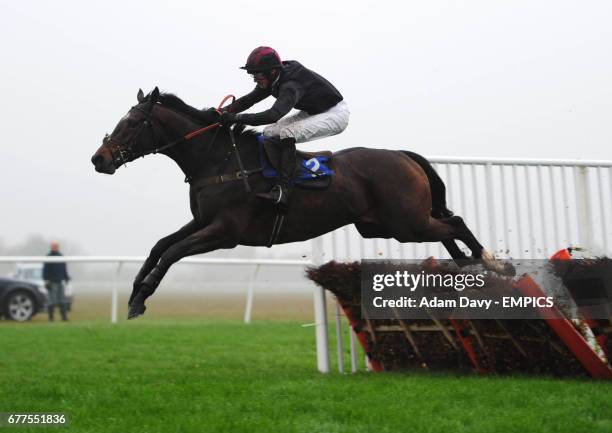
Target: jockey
pixel 322 112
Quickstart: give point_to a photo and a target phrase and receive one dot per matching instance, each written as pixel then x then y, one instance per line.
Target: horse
pixel 384 193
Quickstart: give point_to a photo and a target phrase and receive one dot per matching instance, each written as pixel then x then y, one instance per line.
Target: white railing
pixel 320 307
pixel 516 208
pixel 121 260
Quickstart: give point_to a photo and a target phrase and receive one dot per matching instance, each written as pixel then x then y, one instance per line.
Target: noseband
pixel 122 153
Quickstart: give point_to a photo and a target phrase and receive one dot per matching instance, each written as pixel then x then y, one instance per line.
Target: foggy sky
pixel 480 78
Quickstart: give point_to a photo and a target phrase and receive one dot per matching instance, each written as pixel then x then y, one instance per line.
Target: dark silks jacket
pixel 297 87
pixel 55 272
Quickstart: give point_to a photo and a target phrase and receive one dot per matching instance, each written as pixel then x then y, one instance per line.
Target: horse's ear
pixel 155 94
pixel 140 96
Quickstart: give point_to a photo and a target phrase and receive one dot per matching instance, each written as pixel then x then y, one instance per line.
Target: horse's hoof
pixel 135 310
pixel 491 263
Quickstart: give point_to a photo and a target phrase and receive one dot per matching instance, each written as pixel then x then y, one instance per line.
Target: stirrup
pixel 276 194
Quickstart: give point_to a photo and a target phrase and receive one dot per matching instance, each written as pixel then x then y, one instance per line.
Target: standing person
pixel 56 276
pixel 323 112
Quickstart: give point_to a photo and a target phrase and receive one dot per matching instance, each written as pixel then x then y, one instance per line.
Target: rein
pixel 123 153
pixel 200 131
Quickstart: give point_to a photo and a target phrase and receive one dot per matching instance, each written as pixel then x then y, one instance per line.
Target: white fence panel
pixel 516 208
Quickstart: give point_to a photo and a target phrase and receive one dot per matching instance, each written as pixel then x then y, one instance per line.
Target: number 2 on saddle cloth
pixel 313 172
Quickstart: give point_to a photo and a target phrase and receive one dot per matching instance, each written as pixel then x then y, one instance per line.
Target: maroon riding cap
pixel 262 59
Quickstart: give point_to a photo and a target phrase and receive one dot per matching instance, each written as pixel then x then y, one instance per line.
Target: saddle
pixel 312 173
pixel 313 170
pixel 308 155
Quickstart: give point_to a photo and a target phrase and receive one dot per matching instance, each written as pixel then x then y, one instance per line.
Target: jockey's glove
pixel 228 119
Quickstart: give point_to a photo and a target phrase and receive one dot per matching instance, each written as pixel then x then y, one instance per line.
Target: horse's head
pixel 133 137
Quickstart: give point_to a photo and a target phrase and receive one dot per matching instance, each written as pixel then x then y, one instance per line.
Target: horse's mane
pixel 172 101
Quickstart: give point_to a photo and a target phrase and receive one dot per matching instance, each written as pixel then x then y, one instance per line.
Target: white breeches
pixel 305 127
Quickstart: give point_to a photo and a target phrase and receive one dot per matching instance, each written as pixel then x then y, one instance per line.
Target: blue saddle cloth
pixel 309 169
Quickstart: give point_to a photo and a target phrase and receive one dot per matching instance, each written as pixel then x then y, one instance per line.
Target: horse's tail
pixel 438 189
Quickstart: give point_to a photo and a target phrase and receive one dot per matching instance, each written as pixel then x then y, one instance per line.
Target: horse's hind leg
pixel 440 211
pixel 465 235
pixel 447 230
pixel 454 251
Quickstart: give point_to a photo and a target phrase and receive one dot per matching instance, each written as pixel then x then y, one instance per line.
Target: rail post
pixel 320 310
pixel 248 310
pixel 115 293
pixel 583 207
pixel 339 342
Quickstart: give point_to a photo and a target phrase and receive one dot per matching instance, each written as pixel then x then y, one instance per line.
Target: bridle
pixel 121 153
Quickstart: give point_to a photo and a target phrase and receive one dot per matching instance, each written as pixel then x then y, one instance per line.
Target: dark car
pixel 32 273
pixel 20 300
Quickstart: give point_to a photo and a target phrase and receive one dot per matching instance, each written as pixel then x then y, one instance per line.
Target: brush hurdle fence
pixel 517 208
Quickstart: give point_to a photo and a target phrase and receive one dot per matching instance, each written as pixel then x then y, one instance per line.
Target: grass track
pixel 223 376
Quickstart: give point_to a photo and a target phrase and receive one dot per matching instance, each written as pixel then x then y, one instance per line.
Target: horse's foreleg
pixel 158 249
pixel 210 238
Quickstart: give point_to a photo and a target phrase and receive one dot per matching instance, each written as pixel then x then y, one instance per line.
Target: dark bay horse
pixel 385 193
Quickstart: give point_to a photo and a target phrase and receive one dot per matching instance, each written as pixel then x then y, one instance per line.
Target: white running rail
pixel 121 260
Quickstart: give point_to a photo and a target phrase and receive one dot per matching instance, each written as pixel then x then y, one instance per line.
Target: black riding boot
pixel 63 309
pixel 281 192
pixel 50 312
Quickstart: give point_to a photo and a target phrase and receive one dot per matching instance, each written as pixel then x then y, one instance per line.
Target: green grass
pixel 223 376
